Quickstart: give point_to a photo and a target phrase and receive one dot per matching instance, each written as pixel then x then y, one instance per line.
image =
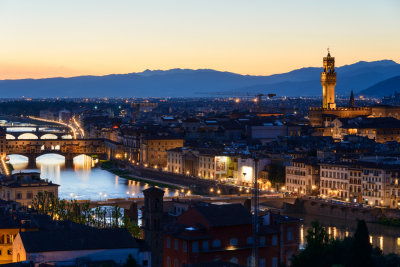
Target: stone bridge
pixel 40 132
pixel 69 148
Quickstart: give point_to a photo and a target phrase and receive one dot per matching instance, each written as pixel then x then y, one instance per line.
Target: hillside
pixel 383 88
pixel 202 82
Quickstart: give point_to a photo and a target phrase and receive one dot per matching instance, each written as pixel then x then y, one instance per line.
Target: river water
pixel 82 181
pixel 387 238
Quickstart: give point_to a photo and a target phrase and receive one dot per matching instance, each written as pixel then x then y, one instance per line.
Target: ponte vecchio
pixel 33 148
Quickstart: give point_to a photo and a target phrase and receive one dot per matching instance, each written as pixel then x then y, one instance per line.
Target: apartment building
pixel 23 187
pixel 334 180
pixel 302 176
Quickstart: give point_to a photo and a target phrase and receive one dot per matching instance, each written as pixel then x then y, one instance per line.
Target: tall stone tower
pixel 152 215
pixel 328 82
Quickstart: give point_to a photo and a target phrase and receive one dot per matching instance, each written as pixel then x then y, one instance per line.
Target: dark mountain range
pixel 384 88
pixel 202 82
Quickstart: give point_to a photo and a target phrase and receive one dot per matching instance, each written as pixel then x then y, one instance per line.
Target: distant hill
pixel 383 88
pixel 202 82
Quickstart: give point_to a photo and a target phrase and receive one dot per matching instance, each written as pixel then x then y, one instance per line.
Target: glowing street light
pixel 313 187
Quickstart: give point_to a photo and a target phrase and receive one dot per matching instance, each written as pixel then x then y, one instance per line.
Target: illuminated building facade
pixel 154 150
pixel 302 176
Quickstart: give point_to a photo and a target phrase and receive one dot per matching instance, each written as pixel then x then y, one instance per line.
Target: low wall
pixel 322 208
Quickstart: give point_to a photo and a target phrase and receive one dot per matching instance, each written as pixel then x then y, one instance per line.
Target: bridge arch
pixel 83 162
pixel 19 162
pixel 49 136
pixel 66 136
pixel 27 136
pixel 10 136
pixel 51 153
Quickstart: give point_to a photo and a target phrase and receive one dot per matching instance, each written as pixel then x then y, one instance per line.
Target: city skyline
pixel 47 39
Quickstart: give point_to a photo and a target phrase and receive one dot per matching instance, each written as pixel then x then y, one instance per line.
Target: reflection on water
pixel 387 238
pixel 82 181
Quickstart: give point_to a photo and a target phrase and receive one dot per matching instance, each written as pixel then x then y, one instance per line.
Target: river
pixel 387 238
pixel 83 181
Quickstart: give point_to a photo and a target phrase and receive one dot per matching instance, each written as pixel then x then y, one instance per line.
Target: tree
pixel 321 250
pixel 317 250
pixel 361 250
pixel 276 173
pixel 132 227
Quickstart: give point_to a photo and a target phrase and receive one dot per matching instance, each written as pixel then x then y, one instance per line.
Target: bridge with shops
pixel 69 148
pixel 50 131
pixel 33 141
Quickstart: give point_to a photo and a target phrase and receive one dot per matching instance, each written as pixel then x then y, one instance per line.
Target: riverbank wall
pixel 196 185
pixel 325 208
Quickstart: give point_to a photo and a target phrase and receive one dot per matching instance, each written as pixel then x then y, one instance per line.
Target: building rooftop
pixel 225 215
pixel 83 239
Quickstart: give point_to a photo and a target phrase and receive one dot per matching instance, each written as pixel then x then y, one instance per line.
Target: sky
pixel 64 38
